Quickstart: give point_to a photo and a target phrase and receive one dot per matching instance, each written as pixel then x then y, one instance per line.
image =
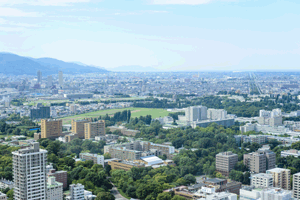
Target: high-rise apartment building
pixel 54 189
pixel 49 81
pixel 51 128
pixel 260 161
pixel 29 172
pixel 196 113
pixel 216 114
pixel 281 178
pixel 40 113
pixel 39 76
pixel 296 185
pixel 60 79
pixel 78 127
pixel 262 180
pixel 93 129
pixel 76 192
pixel 225 162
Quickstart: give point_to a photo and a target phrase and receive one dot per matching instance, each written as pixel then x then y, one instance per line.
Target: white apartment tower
pixel 60 78
pixel 296 185
pixel 216 114
pixel 49 81
pixel 196 113
pixel 29 172
pixel 54 189
pixel 76 192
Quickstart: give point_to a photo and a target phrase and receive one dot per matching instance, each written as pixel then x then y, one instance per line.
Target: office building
pixel 60 176
pixel 54 189
pixel 40 113
pixel 78 127
pixel 97 159
pixel 262 180
pixel 281 178
pixel 93 129
pixel 259 139
pixel 29 172
pixel 296 185
pixel 60 79
pixel 76 192
pixel 260 161
pixel 123 153
pixel 225 162
pixel 291 152
pixel 271 118
pixel 205 123
pixel 276 194
pixel 196 113
pixel 3 196
pixel 39 76
pixel 51 128
pixel 216 114
pixel 49 81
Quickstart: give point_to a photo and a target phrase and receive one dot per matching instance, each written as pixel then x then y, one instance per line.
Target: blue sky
pixel 163 34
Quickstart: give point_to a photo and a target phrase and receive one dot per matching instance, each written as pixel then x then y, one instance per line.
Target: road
pixel 115 192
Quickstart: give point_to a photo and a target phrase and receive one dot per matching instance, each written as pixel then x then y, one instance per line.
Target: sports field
pixel 135 112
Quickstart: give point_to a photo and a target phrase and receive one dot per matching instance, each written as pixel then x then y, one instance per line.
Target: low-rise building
pixel 262 180
pixel 6 184
pixel 76 192
pixel 291 152
pixel 54 189
pixel 276 193
pixel 3 196
pixel 60 176
pixel 124 165
pixel 97 159
pixel 247 193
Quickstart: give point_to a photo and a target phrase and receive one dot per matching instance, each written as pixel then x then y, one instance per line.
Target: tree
pixel 105 195
pixel 177 197
pixel 164 196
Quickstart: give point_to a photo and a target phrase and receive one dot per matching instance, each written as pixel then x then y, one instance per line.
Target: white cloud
pixel 188 2
pixel 42 2
pixel 13 12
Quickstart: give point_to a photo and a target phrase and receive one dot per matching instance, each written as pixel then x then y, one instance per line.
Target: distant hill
pixel 17 65
pixel 134 68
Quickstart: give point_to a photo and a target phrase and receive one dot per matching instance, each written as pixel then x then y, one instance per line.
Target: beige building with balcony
pixel 281 178
pixel 51 128
pixel 93 129
pixel 78 127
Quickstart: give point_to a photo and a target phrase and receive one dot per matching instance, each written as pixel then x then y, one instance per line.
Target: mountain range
pixel 12 64
pixel 134 68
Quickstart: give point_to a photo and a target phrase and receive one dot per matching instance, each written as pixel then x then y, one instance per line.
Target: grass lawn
pixel 135 112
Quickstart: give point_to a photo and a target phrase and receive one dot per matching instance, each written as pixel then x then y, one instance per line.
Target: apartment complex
pixel 137 149
pixel 93 129
pixel 97 159
pixel 54 189
pixel 276 194
pixel 60 176
pixel 262 180
pixel 76 192
pixel 296 185
pixel 40 113
pixel 225 162
pixel 78 127
pixel 291 152
pixel 29 172
pixel 260 161
pixel 196 113
pixel 281 178
pixel 51 128
pixel 216 114
pixel 271 118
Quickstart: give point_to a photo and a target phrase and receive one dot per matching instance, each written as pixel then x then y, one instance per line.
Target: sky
pixel 169 35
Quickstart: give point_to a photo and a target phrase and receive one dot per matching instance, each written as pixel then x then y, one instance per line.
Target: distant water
pixel 34 129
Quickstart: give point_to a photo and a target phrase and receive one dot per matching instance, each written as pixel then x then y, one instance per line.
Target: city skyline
pixel 169 35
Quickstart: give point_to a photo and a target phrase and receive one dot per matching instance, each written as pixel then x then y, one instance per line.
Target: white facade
pixel 29 171
pixel 196 113
pixel 262 180
pixel 77 191
pixel 276 194
pixel 3 196
pixel 49 81
pixel 296 185
pixel 216 114
pixel 246 194
pixel 54 189
pixel 221 196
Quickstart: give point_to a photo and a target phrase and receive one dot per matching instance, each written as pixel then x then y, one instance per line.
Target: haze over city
pixel 167 35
